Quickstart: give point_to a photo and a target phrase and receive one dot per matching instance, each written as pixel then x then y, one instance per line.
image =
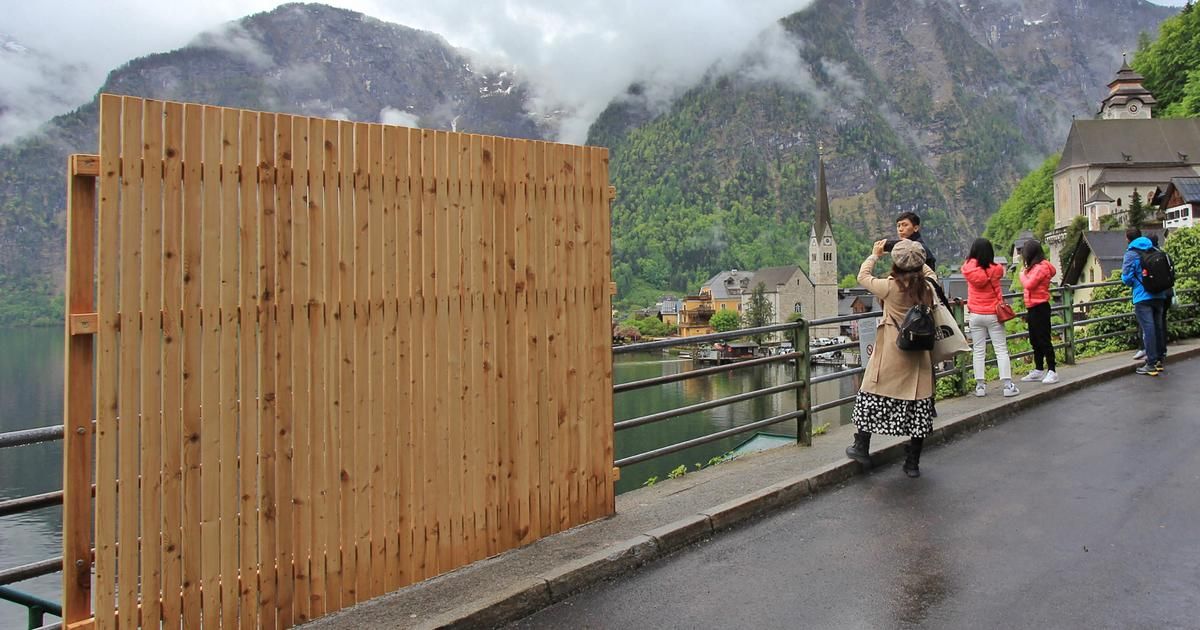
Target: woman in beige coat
pixel 896 397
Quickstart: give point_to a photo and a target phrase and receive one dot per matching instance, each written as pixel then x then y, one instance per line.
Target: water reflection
pixel 635 367
pixel 31 381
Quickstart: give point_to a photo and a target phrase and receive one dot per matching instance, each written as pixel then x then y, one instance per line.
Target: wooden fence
pixel 330 359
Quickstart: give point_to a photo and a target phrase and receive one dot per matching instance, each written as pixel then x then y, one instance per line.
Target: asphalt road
pixel 1081 513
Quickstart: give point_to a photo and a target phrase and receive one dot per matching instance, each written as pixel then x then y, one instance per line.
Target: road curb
pixel 527 597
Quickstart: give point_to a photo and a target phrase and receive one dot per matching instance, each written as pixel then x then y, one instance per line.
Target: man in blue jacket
pixel 1147 307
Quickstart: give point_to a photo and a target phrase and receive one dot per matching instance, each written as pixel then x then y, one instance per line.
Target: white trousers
pixel 983 327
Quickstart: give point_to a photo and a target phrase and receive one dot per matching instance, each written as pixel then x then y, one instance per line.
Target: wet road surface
pixel 1081 513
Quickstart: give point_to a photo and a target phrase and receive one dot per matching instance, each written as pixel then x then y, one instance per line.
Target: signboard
pixel 866 338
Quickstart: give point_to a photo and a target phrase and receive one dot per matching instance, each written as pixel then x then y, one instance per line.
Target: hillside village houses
pixel 1106 160
pixel 788 288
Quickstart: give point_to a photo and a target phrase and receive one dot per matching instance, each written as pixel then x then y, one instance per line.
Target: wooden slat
pixel 492 309
pixel 79 395
pixel 361 369
pixel 528 524
pixel 107 364
pixel 378 362
pixel 228 400
pixel 284 379
pixel 609 495
pixel 300 259
pixel 450 479
pixel 348 472
pixel 574 342
pixel 151 362
pixel 329 266
pixel 547 440
pixel 461 525
pixel 390 412
pixel 483 408
pixel 193 333
pixel 172 368
pixel 404 417
pixel 559 365
pixel 434 460
pixel 268 457
pixel 318 334
pixel 247 357
pixel 130 289
pixel 210 421
pixel 416 447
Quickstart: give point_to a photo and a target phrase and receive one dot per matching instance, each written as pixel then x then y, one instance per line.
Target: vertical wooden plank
pixel 390 378
pixel 333 554
pixel 451 268
pixel 405 455
pixel 605 264
pixel 193 338
pixel 268 510
pixel 559 368
pixel 361 369
pixel 107 366
pixel 284 380
pixel 503 323
pixel 210 419
pixel 477 416
pixel 172 377
pixel 248 392
pixel 417 383
pixel 573 333
pixel 348 472
pixel 524 388
pixel 483 406
pixel 318 332
pixel 301 369
pixel 228 367
pixel 547 439
pixel 151 363
pixel 131 337
pixel 492 308
pixel 450 482
pixel 378 361
pixel 431 434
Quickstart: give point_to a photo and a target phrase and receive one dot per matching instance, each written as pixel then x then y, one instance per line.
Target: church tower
pixel 822 259
pixel 1127 99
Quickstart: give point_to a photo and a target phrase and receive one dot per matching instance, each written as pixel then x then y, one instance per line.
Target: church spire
pixel 822 224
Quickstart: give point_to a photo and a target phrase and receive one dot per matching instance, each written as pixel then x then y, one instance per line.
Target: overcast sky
pixel 585 51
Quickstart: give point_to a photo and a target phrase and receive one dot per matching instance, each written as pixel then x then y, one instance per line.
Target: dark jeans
pixel 1039 335
pixel 1154 334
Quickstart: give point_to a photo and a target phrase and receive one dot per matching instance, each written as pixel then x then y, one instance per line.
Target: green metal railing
pixel 802 384
pixel 36 607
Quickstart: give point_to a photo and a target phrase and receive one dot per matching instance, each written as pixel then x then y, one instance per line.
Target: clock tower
pixel 1127 98
pixel 822 259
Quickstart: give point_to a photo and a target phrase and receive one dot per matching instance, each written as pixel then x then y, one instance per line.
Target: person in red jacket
pixel 984 281
pixel 1036 280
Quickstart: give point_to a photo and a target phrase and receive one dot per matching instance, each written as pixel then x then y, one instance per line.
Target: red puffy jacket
pixel 1036 280
pixel 982 295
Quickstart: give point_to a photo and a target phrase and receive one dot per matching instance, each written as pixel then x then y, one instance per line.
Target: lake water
pixel 31 379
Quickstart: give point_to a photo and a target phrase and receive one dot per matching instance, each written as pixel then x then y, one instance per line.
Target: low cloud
pixel 236 40
pixel 392 116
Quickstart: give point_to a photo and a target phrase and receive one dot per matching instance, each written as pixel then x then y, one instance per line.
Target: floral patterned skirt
pixel 892 416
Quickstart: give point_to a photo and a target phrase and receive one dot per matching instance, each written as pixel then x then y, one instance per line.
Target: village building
pixel 1180 202
pixel 1099 254
pixel 1126 151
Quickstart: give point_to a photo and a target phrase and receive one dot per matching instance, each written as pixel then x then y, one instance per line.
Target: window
pixel 798 308
pixel 1118 202
pixel 828 257
pixel 1082 195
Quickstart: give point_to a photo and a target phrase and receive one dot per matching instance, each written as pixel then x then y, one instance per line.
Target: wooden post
pixel 961 359
pixel 1069 320
pixel 800 341
pixel 79 395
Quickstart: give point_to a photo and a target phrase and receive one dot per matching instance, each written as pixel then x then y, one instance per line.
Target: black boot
pixel 912 460
pixel 860 450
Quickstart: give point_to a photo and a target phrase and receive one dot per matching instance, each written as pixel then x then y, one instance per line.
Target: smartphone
pixel 890 243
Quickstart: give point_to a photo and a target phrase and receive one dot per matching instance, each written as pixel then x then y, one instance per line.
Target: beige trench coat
pixel 893 372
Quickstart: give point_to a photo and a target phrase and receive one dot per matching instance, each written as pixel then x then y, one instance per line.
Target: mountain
pixel 936 106
pixel 926 105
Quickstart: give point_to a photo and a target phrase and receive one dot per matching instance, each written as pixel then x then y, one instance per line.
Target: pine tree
pixel 1135 216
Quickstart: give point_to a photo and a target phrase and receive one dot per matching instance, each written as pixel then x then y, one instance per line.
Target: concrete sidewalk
pixel 652 522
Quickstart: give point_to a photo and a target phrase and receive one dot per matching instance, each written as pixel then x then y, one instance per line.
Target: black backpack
pixel 918 331
pixel 1158 273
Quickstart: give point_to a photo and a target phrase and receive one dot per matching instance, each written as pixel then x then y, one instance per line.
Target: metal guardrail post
pixel 963 359
pixel 1069 321
pixel 804 424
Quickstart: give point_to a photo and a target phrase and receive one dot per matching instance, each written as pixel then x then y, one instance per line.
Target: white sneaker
pixel 1139 355
pixel 1035 375
pixel 980 390
pixel 1010 389
pixel 1051 377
